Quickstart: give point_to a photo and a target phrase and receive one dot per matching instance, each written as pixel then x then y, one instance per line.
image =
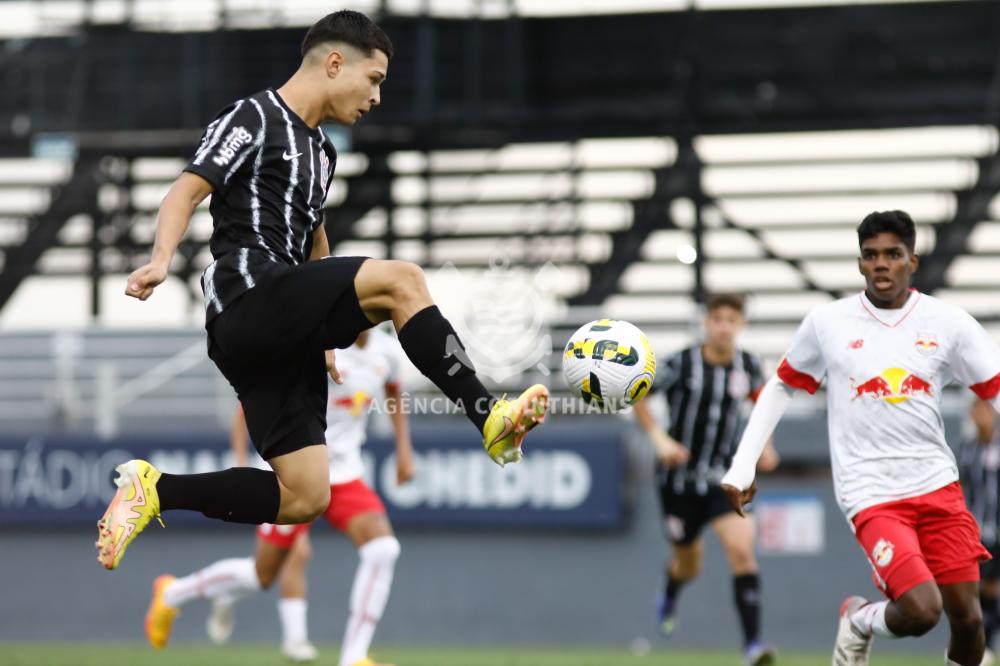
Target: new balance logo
pixel 285 156
pixel 236 139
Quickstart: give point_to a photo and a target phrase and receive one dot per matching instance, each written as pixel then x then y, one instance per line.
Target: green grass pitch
pixel 268 655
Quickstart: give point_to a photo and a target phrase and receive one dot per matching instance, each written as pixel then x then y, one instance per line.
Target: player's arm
pixel 769 458
pixel 239 438
pixel 320 244
pixel 738 483
pixel 179 204
pixel 803 368
pixel 975 360
pixel 406 466
pixel 668 450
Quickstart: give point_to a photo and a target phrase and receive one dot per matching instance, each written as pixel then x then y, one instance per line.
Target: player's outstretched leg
pixel 852 647
pixel 398 291
pixel 296 492
pixel 292 604
pixel 224 580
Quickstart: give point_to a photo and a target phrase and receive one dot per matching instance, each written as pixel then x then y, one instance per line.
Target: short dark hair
pixel 350 27
pixel 734 301
pixel 889 221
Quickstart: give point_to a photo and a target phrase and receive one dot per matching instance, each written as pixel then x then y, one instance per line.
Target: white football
pixel 609 362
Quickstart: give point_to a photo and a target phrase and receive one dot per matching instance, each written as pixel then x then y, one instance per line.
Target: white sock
pixel 225 579
pixel 293 620
pixel 870 619
pixel 369 595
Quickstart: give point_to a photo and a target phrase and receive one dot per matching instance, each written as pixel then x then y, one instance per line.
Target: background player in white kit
pixel 367 368
pixel 886 354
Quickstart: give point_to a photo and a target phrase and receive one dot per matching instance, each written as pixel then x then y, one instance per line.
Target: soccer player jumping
pixel 886 354
pixel 275 301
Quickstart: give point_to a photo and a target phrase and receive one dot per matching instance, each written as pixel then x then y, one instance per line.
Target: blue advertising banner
pixel 571 476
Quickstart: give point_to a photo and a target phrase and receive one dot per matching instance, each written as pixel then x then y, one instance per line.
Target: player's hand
pixel 669 451
pixel 331 366
pixel 769 460
pixel 739 498
pixel 406 468
pixel 146 278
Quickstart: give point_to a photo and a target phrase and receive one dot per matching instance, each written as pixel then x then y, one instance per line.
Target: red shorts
pixel 347 500
pixel 931 537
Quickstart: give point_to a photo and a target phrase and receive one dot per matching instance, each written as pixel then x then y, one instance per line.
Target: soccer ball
pixel 609 362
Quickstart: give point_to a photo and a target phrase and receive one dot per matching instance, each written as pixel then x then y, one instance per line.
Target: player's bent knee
pixel 317 501
pixel 921 616
pixel 266 579
pixel 967 621
pixel 307 505
pixel 408 281
pixel 685 571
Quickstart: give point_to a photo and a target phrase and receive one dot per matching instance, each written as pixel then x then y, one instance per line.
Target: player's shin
pixel 369 595
pixel 227 579
pixel 235 495
pixel 433 346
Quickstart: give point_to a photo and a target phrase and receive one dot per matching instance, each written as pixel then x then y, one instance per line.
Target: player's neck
pixel 302 99
pixel 717 355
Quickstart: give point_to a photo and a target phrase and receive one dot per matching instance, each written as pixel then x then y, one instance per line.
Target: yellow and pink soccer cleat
pixel 131 509
pixel 160 617
pixel 509 421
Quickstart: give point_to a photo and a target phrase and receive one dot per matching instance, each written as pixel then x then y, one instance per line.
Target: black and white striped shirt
pixel 980 466
pixel 706 404
pixel 270 173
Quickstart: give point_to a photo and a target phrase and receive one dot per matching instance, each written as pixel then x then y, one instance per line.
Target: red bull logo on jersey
pixel 356 403
pixel 927 344
pixel 894 385
pixel 882 553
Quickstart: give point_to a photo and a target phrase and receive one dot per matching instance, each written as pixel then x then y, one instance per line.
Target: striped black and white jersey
pixel 706 404
pixel 270 173
pixel 979 463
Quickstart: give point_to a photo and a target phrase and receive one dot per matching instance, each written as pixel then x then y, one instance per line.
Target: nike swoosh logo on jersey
pixel 285 156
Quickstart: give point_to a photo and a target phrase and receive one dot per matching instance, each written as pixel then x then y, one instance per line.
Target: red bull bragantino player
pixel 886 354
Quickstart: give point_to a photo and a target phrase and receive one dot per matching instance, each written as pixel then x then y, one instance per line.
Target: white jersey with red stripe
pixel 884 372
pixel 365 371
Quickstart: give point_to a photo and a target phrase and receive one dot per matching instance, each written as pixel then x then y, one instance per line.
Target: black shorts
pixel 270 344
pixel 991 569
pixel 685 514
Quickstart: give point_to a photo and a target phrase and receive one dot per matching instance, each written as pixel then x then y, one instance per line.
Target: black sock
pixel 746 590
pixel 235 495
pixel 991 617
pixel 433 346
pixel 673 589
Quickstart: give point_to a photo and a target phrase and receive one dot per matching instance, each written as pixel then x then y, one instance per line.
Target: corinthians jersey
pixel 884 372
pixel 270 173
pixel 365 371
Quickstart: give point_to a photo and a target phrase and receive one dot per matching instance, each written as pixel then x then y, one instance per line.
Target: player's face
pixel 722 325
pixel 888 267
pixel 358 86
